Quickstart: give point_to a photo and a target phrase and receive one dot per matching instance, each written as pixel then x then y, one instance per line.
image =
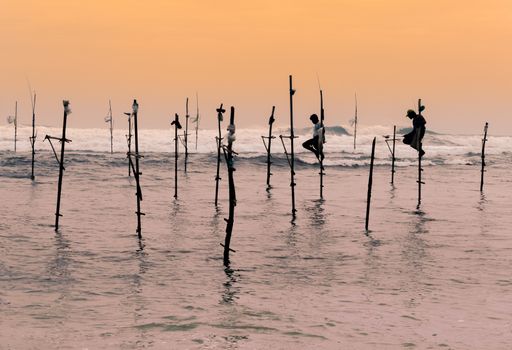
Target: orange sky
pixel 456 55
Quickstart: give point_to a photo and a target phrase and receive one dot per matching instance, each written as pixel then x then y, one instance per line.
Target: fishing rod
pixel 268 146
pixel 370 184
pixel 228 155
pixel 63 140
pixel 135 168
pixel 177 125
pixel 421 108
pixel 14 120
pixel 220 117
pixel 484 140
pixel 392 151
pixel 290 157
pixel 129 139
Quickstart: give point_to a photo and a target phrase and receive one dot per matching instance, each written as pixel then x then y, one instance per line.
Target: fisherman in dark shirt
pixel 416 135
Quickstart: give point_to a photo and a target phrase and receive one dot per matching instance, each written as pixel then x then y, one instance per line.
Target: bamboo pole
pixel 228 154
pixel 269 145
pixel 484 140
pixel 370 184
pixel 220 117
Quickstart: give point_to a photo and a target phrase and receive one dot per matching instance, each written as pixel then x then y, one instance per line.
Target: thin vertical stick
pixel 228 154
pixel 269 145
pixel 355 122
pixel 177 125
pixel 111 127
pixel 33 137
pixel 484 140
pixel 197 117
pixel 63 141
pixel 321 145
pixel 15 125
pixel 393 157
pixel 130 127
pixel 292 160
pixel 370 183
pixel 136 171
pixel 186 135
pixel 419 179
pixel 420 169
pixel 220 111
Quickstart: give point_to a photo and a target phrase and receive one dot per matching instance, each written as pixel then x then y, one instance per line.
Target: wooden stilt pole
pixel 33 137
pixel 136 169
pixel 177 125
pixel 14 120
pixel 393 157
pixel 61 165
pixel 220 117
pixel 392 152
pixel 111 127
pixel 484 140
pixel 197 117
pixel 185 136
pixel 292 139
pixel 291 156
pixel 370 183
pixel 321 140
pixel 228 154
pixel 420 147
pixel 355 122
pixel 129 140
pixel 60 160
pixel 268 146
pixel 15 125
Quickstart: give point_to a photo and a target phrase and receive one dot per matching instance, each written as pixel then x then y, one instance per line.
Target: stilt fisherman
pixel 416 135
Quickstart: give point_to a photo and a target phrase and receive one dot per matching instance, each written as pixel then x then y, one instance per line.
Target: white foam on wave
pixel 440 148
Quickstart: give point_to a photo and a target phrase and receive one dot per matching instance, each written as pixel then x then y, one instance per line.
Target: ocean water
pixel 435 278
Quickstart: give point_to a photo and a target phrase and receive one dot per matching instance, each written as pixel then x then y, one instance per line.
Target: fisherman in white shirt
pixel 313 144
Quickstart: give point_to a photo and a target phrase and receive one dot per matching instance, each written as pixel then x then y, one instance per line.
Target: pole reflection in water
pixel 415 257
pixel 60 281
pixel 230 292
pixel 137 298
pixel 318 214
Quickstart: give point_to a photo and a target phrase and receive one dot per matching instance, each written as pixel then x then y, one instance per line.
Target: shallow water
pixel 440 277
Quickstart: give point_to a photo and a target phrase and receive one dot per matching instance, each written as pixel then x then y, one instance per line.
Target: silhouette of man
pixel 313 144
pixel 416 135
